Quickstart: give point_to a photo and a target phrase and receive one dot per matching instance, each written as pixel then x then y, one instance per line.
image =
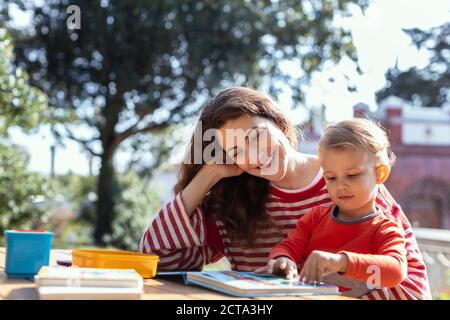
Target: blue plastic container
pixel 26 252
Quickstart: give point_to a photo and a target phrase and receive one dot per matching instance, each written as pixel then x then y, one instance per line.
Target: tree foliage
pixel 429 86
pixel 25 107
pixel 135 68
pixel 136 206
pixel 20 104
pixel 17 189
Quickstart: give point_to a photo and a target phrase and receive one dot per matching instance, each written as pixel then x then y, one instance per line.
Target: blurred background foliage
pixel 64 204
pixel 131 78
pixel 24 106
pixel 135 69
pixel 429 86
pixel 17 188
pixel 20 104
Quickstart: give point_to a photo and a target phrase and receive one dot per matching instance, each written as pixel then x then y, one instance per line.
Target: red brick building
pixel 420 179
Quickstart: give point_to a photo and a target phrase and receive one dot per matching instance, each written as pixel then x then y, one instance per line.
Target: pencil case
pixel 144 264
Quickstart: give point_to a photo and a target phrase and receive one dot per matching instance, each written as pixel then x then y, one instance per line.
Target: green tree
pixel 135 68
pixel 429 86
pixel 25 107
pixel 20 104
pixel 137 203
pixel 17 189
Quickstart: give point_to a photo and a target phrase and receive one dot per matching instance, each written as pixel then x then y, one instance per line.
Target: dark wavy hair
pixel 239 201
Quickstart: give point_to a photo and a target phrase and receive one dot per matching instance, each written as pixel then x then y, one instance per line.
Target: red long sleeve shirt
pixel 372 244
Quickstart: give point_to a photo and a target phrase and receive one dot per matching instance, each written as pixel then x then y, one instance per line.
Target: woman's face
pixel 256 145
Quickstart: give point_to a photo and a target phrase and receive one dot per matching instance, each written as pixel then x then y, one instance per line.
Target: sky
pixel 379 41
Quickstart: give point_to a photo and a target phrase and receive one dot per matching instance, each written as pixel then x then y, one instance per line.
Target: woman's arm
pixel 205 179
pixel 415 286
pixel 177 234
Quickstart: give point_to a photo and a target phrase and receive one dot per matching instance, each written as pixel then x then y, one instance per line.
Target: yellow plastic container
pixel 144 264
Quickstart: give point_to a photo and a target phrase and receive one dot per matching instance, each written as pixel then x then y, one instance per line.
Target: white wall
pixel 426 133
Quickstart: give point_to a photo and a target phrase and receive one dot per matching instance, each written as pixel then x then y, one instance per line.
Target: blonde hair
pixel 361 135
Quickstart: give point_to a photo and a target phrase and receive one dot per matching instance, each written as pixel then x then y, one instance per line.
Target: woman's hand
pixel 320 263
pixel 222 170
pixel 203 181
pixel 280 265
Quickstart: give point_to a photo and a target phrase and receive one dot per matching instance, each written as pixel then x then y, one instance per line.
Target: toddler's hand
pixel 280 265
pixel 320 263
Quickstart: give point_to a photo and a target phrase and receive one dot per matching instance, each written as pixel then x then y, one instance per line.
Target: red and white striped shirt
pixel 189 243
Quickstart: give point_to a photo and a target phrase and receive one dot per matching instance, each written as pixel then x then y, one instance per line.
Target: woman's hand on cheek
pixel 223 170
pixel 320 263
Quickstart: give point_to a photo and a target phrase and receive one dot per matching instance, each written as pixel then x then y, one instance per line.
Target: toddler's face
pixel 351 179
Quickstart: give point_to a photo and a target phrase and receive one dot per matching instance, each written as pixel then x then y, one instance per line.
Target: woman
pixel 242 210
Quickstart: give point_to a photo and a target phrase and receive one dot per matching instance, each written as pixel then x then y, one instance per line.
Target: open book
pixel 248 284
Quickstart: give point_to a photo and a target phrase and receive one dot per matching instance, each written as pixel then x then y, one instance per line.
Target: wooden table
pixel 154 289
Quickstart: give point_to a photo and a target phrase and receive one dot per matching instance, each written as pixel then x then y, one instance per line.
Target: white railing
pixel 435 247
